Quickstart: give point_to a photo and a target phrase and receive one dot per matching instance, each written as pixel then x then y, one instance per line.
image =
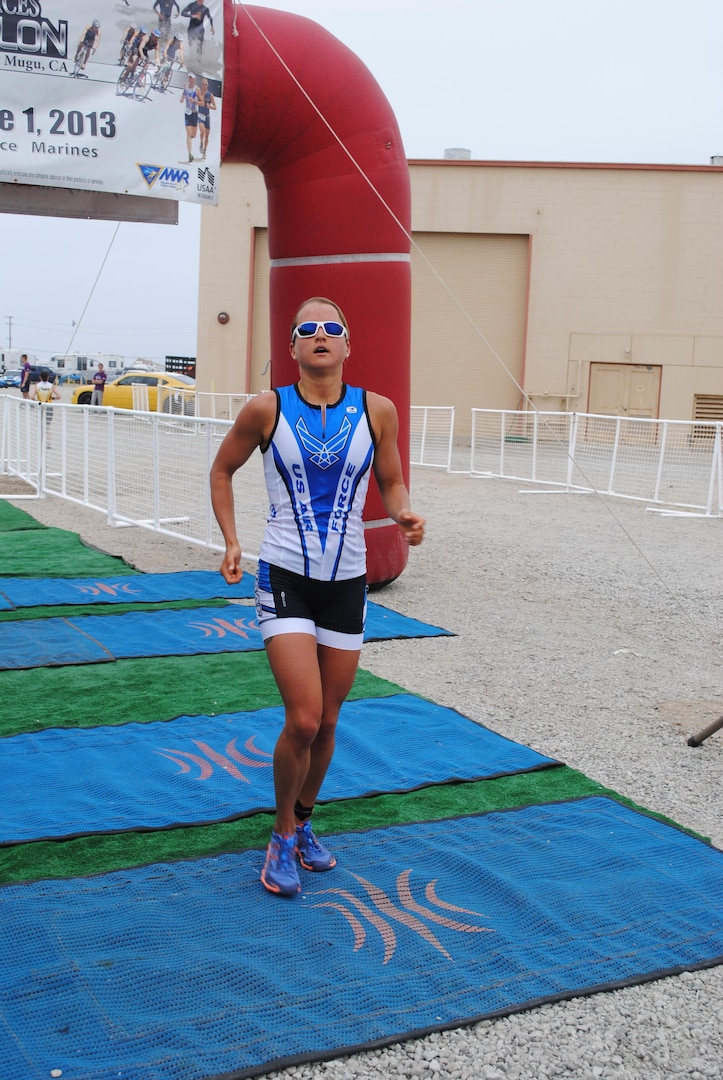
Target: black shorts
pixel 333 612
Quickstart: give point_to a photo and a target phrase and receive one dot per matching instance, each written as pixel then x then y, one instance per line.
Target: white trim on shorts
pixel 332 638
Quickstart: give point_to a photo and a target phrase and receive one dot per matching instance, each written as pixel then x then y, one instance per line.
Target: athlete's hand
pixel 412 526
pixel 231 566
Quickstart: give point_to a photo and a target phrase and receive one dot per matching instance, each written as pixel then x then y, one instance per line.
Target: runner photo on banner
pixel 112 95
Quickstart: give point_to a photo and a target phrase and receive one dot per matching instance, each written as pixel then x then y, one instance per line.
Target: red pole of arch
pixel 306 111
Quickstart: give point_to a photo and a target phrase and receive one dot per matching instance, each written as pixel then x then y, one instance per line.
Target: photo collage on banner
pixel 116 96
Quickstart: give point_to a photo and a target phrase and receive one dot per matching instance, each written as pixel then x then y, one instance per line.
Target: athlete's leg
pixel 338 669
pixel 294 664
pixel 190 136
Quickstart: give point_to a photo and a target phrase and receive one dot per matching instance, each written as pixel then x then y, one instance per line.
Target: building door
pixel 631 390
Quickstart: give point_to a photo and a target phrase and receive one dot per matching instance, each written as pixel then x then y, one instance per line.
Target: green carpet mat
pixel 138 691
pixel 146 690
pixel 13 519
pixel 102 853
pixel 55 553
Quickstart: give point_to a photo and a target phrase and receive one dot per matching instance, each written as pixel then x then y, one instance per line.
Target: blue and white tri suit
pixel 317 466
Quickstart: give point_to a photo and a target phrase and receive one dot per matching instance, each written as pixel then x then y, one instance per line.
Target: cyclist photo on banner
pixel 139 72
pixel 171 60
pixel 87 45
pixel 127 43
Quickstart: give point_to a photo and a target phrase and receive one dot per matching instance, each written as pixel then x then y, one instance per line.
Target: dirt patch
pixel 689 717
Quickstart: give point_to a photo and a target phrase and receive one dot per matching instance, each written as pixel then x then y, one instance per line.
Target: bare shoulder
pixel 259 413
pixel 382 413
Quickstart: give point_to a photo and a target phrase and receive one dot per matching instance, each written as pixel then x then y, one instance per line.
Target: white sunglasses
pixel 311 329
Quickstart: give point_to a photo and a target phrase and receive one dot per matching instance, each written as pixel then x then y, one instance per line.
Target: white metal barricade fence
pixel 21 441
pixel 144 469
pixel 151 469
pixel 431 435
pixel 139 393
pixel 674 464
pixel 220 406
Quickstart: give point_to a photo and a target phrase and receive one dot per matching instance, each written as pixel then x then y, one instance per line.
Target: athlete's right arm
pixel 252 428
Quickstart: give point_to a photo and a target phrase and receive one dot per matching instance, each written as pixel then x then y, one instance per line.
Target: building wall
pixel 523 276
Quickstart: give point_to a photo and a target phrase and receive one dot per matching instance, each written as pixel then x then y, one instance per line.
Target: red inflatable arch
pixel 329 232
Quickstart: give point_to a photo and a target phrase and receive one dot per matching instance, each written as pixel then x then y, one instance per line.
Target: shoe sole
pixel 277 891
pixel 317 869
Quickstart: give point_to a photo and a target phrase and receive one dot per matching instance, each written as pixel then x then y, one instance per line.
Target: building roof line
pixel 466 163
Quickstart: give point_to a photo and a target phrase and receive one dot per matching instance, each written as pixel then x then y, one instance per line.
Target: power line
pixel 76 326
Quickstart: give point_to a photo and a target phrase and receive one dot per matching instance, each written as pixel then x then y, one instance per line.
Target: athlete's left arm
pixel 388 469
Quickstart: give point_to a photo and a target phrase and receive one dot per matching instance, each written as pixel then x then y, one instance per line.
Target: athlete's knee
pixel 326 733
pixel 302 726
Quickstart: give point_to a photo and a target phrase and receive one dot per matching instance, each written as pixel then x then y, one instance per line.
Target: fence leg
pixel 715 474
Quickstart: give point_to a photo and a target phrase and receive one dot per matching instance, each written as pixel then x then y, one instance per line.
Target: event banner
pixel 112 95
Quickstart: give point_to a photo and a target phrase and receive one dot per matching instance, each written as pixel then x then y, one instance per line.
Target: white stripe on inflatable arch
pixel 325 260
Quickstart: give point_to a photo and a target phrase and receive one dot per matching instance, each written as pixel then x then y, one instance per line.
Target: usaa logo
pixel 206 183
pixel 165 176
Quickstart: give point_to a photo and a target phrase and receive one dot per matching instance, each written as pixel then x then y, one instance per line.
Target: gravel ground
pixel 591 630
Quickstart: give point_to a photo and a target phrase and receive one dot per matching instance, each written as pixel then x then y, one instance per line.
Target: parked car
pixel 36 371
pixel 11 378
pixel 71 377
pixel 119 392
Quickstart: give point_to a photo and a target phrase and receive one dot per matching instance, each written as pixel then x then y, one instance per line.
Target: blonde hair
pixel 320 300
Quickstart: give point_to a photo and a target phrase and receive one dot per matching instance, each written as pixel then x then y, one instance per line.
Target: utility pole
pixel 10 331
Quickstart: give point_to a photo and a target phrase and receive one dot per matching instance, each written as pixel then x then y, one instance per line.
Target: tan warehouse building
pixel 592 288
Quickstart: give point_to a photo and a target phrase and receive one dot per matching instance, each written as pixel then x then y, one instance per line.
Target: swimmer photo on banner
pixel 115 96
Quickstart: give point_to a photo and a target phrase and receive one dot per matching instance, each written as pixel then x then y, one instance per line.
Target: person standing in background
pixel 25 376
pixel 99 378
pixel 44 391
pixel 190 97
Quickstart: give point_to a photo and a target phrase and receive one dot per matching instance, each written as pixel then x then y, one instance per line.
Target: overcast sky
pixel 515 80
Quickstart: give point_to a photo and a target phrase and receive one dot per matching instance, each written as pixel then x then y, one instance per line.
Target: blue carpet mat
pixel 190 971
pixel 92 639
pixel 18 592
pixel 198 769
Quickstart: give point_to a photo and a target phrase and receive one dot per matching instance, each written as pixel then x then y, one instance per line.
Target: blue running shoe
pixel 279 874
pixel 312 854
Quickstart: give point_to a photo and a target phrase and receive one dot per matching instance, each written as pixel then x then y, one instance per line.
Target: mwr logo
pixel 24 30
pixel 166 175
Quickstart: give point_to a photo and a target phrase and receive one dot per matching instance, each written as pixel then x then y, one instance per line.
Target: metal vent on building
pixel 708 408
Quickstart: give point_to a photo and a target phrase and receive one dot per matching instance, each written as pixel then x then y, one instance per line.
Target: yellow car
pixel 177 392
